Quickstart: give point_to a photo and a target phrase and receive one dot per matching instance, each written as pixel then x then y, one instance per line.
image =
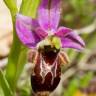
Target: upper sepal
pixel 49 14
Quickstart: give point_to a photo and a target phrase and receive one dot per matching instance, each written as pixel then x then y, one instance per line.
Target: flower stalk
pixel 17 56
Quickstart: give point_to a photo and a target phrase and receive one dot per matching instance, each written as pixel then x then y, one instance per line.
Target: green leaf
pixel 21 62
pixel 5 86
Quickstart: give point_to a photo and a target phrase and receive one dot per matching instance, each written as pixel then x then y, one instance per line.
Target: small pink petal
pixel 70 39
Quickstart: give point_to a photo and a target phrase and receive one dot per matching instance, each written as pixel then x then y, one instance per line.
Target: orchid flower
pixel 32 31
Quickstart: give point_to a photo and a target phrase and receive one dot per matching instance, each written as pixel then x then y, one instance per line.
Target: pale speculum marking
pixel 46 68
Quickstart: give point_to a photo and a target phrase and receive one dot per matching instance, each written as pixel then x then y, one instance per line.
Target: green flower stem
pixel 17 57
pixel 16 46
pixel 13 62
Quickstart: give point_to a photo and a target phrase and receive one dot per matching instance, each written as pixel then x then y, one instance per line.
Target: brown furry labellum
pixel 47 69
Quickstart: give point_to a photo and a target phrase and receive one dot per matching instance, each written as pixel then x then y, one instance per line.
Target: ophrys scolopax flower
pixel 51 38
